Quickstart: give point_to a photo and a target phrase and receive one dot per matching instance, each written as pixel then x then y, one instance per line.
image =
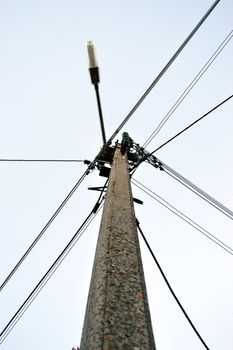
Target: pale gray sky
pixel 48 110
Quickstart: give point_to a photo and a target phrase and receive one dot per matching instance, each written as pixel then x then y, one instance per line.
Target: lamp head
pixel 93 63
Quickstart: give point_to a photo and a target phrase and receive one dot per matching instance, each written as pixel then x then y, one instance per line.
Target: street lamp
pixel 95 79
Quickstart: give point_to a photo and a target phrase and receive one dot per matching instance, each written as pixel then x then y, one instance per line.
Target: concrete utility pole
pixel 117 313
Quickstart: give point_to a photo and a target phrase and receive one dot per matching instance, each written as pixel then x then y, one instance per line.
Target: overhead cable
pixel 159 76
pixel 24 306
pixel 85 161
pixel 144 155
pixel 157 163
pixel 182 216
pixel 170 288
pixel 91 166
pixel 189 87
pixel 195 122
pixel 36 240
pixel 199 192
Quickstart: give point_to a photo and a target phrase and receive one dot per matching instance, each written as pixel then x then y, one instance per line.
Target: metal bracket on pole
pixel 99 188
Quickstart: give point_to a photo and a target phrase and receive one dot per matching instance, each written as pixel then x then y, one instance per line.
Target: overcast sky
pixel 48 111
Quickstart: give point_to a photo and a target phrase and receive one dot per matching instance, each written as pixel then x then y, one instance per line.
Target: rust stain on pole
pixel 117 314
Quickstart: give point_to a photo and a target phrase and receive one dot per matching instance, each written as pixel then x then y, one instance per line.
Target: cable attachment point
pixel 126 143
pixel 155 162
pixel 128 148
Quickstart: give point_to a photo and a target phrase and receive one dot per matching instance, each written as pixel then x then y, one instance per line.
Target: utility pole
pixel 117 313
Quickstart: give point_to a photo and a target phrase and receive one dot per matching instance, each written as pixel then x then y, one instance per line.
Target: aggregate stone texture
pixel 117 313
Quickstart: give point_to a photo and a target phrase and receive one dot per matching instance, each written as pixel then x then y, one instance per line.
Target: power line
pixel 155 162
pixel 176 54
pixel 91 166
pixel 36 240
pixel 182 216
pixel 189 88
pixel 144 155
pixel 170 288
pixel 158 164
pixel 24 306
pixel 189 126
pixel 188 184
pixel 85 161
pixel 12 323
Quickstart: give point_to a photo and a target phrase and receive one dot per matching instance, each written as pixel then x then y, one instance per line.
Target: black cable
pixel 147 155
pixel 40 286
pixel 13 321
pixel 164 70
pixel 189 88
pixel 7 279
pixel 45 160
pixel 170 288
pixel 159 76
pixel 189 126
pixel 91 166
pixel 184 217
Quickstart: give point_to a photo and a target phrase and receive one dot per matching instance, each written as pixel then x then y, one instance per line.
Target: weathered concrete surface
pixel 117 313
